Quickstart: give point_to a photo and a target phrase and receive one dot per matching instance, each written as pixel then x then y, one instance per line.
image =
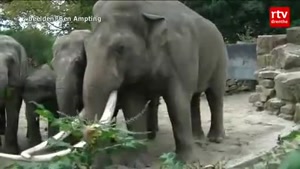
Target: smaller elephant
pixel 39 87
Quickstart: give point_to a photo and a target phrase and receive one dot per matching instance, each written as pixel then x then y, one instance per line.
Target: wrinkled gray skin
pixel 69 62
pixel 156 47
pixel 39 87
pixel 13 68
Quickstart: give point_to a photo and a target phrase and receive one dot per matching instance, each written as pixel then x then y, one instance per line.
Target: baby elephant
pixel 39 87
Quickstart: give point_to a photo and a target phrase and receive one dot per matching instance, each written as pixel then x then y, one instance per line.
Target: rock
pixel 268 74
pixel 265 43
pixel 267 83
pixel 286 116
pixel 297 113
pixel 288 108
pixel 269 93
pixel 254 97
pixel 264 60
pixel 259 88
pixel 274 104
pixel 259 106
pixel 231 82
pixel 268 68
pixel 265 93
pixel 263 97
pixel 287 86
pixel 286 56
pixel 293 35
pixel 258 97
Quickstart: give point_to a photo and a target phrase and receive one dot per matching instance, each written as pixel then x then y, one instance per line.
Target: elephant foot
pixel 199 135
pixel 136 159
pixel 216 136
pixel 11 149
pixel 200 140
pixel 187 156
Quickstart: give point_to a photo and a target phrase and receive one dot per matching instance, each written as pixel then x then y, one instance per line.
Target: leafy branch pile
pixel 109 140
pixel 106 139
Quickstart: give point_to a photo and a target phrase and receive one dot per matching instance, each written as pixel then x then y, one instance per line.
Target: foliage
pixel 57 15
pixel 285 156
pixel 233 18
pixel 97 137
pixel 99 140
pixel 38 45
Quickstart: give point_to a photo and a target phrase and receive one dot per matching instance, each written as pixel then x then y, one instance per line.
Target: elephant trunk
pixel 99 94
pixel 67 96
pixel 3 82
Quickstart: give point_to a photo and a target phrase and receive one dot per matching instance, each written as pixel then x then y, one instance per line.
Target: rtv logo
pixel 279 17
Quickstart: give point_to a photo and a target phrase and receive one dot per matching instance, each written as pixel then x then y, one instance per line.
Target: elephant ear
pixel 157 28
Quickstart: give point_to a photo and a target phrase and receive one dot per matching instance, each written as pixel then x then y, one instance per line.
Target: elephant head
pixel 123 49
pixel 13 65
pixel 69 62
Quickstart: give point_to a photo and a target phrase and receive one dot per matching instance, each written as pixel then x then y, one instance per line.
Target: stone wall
pixel 278 89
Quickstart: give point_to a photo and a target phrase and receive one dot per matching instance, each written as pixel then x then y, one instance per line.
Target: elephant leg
pixel 2 119
pixel 53 108
pixel 214 96
pixel 152 120
pixel 132 105
pixel 196 117
pixel 179 109
pixel 13 105
pixel 33 125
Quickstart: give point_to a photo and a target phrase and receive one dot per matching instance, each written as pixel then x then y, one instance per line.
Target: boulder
pixel 265 93
pixel 259 88
pixel 288 108
pixel 260 97
pixel 287 86
pixel 264 60
pixel 265 43
pixel 274 105
pixel 267 74
pixel 286 56
pixel 254 97
pixel 267 83
pixel 297 113
pixel 259 106
pixel 286 116
pixel 293 35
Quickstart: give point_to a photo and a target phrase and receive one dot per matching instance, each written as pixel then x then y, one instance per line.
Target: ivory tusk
pixel 109 108
pixel 45 157
pixel 59 136
pixel 26 155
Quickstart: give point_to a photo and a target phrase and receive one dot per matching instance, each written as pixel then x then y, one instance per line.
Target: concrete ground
pixel 248 131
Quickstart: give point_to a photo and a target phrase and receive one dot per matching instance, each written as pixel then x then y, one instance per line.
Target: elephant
pixel 69 62
pixel 13 69
pixel 162 48
pixel 39 87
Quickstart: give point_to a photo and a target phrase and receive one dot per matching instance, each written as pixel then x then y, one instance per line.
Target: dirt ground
pixel 248 131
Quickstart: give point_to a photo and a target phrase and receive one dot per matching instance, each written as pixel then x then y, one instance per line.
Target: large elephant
pixel 39 87
pixel 160 48
pixel 69 62
pixel 13 69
